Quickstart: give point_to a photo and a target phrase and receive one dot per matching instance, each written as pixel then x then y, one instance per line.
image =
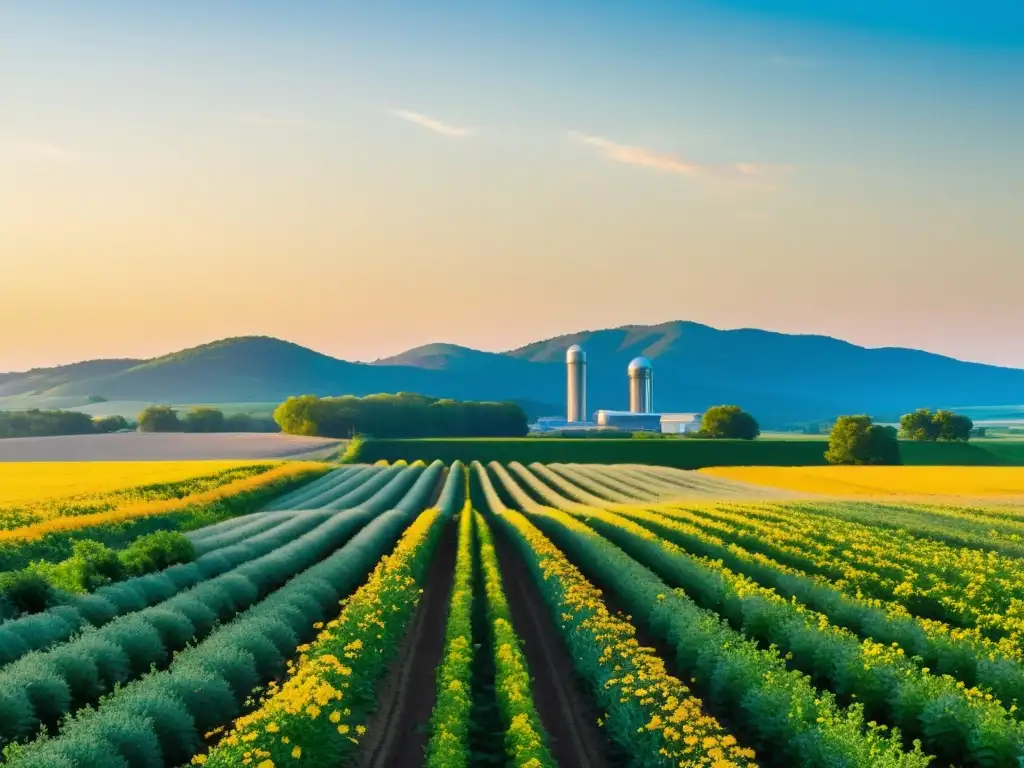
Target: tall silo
pixel 641 386
pixel 576 374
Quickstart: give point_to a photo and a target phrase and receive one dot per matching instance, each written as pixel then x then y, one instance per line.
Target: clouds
pixel 445 129
pixel 648 158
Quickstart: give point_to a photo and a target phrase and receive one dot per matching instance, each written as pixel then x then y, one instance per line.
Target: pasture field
pixel 537 615
pixel 681 453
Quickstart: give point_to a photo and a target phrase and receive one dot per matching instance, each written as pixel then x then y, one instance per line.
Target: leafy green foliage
pixel 728 422
pixel 159 418
pixel 25 592
pixel 157 551
pixel 203 419
pixel 105 424
pixel 923 425
pixel 858 440
pixel 401 415
pixel 37 423
pixel 92 565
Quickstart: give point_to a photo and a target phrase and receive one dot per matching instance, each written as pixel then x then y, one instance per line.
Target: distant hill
pixel 783 379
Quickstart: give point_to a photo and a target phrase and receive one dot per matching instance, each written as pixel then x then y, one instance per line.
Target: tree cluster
pixel 403 415
pixel 37 423
pixel 728 422
pixel 164 418
pixel 924 425
pixel 858 440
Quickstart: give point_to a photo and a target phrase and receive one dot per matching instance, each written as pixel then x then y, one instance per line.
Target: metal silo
pixel 576 375
pixel 641 386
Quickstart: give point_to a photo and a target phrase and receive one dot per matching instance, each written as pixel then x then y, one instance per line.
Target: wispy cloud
pixel 40 149
pixel 648 158
pixel 282 122
pixel 431 124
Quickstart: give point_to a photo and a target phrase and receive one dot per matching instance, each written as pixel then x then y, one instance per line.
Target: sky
pixel 363 178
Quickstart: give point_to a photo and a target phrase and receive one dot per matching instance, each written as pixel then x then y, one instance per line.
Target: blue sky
pixel 362 178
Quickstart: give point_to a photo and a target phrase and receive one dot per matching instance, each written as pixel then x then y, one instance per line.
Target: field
pixel 686 453
pixel 142 446
pixel 536 615
pixel 996 483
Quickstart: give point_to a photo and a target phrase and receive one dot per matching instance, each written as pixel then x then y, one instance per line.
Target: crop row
pixel 317 715
pixel 960 726
pixel 161 719
pixel 39 631
pixel 962 587
pixel 782 715
pixel 970 659
pixel 650 714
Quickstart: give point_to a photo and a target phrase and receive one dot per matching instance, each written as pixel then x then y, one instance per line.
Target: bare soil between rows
pixel 398 732
pixel 566 711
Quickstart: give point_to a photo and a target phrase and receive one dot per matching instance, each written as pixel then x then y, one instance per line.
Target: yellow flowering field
pixel 37 481
pixel 991 482
pixel 33 493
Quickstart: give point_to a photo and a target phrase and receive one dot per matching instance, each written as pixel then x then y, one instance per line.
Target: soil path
pixel 398 732
pixel 566 712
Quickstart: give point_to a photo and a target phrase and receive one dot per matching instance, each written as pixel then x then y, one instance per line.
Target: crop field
pixel 165 447
pixel 997 483
pixel 433 615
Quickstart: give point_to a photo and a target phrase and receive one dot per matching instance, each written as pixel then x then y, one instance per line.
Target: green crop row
pixel 450 720
pixel 160 721
pixel 958 725
pixel 973 661
pixel 525 738
pixel 316 716
pixel 40 689
pixel 650 714
pixel 39 631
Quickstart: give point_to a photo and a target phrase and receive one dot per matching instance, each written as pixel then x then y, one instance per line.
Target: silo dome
pixel 575 354
pixel 640 364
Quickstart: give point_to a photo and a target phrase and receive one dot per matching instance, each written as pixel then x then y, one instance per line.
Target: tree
pixel 159 418
pixel 104 424
pixel 728 421
pixel 858 440
pixel 203 419
pixel 922 424
pixel 919 425
pixel 953 426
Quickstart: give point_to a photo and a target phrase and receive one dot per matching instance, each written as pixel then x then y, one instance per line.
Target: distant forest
pixel 398 416
pixel 36 423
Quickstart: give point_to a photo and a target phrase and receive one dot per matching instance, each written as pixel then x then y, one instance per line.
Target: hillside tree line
pixel 37 423
pixel 164 418
pixel 402 415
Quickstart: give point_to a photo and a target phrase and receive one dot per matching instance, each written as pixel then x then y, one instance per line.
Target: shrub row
pixel 649 713
pixel 448 746
pixel 970 660
pixel 958 725
pixel 160 721
pixel 43 687
pixel 786 719
pixel 318 714
pixel 243 528
pixel 525 737
pixel 35 632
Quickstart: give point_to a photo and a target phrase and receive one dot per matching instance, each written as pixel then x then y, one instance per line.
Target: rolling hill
pixel 781 378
